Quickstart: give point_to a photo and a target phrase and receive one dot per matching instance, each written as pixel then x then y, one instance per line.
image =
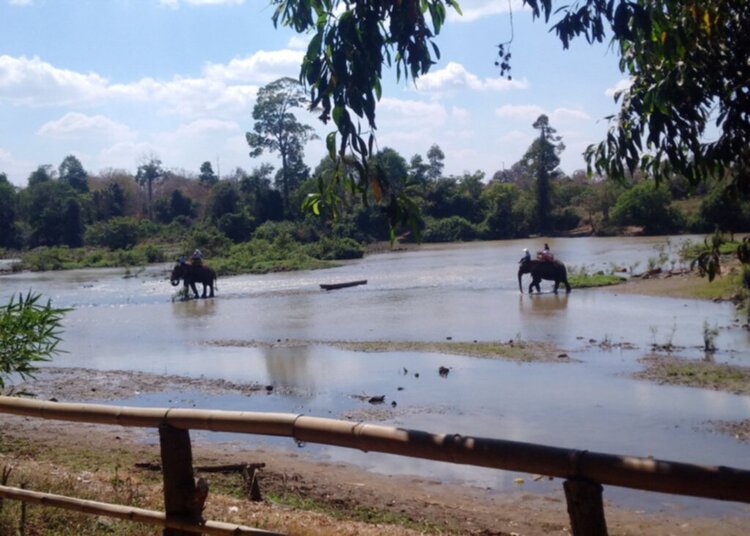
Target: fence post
pixel 585 507
pixel 182 498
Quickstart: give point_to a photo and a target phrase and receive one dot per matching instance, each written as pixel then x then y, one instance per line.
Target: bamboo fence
pixel 141 515
pixel 644 473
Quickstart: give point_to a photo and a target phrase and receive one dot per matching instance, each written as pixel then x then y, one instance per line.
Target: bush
pixel 452 229
pixel 29 333
pixel 117 233
pixel 330 249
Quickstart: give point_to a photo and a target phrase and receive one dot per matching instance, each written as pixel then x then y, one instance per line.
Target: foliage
pixel 148 173
pixel 542 159
pixel 262 256
pixel 335 248
pixel 276 129
pixel 71 172
pixel 584 280
pixel 649 206
pixel 29 333
pixel 207 176
pixel 709 259
pixel 451 229
pixel 117 233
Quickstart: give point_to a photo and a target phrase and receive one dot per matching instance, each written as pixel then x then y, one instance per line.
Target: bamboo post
pixel 182 499
pixel 585 507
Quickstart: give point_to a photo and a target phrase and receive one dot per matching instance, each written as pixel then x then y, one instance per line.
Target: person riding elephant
pixel 192 273
pixel 548 270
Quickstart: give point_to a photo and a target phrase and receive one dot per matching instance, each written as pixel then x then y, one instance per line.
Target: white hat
pixel 525 250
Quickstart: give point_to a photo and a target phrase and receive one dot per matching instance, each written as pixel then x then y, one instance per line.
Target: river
pixel 466 292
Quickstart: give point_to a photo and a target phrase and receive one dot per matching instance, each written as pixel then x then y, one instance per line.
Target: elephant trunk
pixel 520 287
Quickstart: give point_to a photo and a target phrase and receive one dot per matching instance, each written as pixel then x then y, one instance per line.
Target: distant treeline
pixel 118 210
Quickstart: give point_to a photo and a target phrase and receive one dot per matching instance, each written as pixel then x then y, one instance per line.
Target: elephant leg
pixel 195 290
pixel 204 291
pixel 567 286
pixel 211 289
pixel 557 285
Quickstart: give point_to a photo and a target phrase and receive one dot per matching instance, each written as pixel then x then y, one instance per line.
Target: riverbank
pixel 315 496
pixel 301 495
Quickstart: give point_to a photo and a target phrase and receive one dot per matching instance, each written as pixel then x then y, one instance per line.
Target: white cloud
pixel 411 114
pixel 75 125
pixel 297 42
pixel 176 3
pixel 33 82
pixel 17 170
pixel 454 76
pixel 522 111
pixel 460 114
pixel 620 86
pixel 261 67
pixel 477 9
pixel 530 112
pixel 568 114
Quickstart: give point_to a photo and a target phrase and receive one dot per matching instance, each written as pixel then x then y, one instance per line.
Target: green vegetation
pixel 691 373
pixel 594 280
pixel 29 334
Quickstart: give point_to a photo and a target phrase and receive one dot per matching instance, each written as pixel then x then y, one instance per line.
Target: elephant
pixel 192 273
pixel 548 270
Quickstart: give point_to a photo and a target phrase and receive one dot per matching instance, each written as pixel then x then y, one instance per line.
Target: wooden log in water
pixel 334 286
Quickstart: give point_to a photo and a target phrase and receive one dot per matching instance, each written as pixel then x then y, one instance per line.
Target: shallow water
pixel 466 292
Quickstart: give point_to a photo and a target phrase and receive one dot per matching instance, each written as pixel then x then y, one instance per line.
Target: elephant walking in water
pixel 192 274
pixel 547 270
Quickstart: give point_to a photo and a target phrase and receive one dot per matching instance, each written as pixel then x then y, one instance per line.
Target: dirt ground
pixel 302 496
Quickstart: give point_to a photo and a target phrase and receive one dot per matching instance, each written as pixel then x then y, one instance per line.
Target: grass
pixel 513 351
pixel 594 280
pixel 692 373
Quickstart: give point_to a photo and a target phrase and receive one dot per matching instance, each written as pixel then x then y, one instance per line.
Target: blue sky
pixel 114 82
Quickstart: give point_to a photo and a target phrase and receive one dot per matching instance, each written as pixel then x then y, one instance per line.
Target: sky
pixel 116 82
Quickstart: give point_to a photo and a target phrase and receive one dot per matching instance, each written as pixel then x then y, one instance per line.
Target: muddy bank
pixel 674 370
pixel 523 351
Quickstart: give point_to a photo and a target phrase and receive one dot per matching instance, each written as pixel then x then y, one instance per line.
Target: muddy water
pixel 467 292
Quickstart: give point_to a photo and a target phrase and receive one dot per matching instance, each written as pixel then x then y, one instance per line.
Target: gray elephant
pixel 547 270
pixel 191 274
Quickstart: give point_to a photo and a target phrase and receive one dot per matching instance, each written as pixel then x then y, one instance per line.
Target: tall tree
pixel 276 128
pixel 207 176
pixel 9 237
pixel 72 172
pixel 436 162
pixel 148 173
pixel 41 174
pixel 543 158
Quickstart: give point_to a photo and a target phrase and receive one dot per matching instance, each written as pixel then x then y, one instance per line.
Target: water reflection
pixel 541 303
pixel 194 308
pixel 290 367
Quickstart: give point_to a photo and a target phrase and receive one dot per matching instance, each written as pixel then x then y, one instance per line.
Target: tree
pixel 542 158
pixel 207 176
pixel 72 172
pixel 686 60
pixel 53 212
pixel 276 129
pixel 41 174
pixel 648 206
pixel 9 236
pixel 29 333
pixel 148 173
pixel 436 159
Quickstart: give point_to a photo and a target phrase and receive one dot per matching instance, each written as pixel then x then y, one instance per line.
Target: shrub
pixel 452 229
pixel 29 333
pixel 329 249
pixel 117 233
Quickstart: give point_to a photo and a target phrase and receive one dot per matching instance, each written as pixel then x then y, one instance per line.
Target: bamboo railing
pixel 584 470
